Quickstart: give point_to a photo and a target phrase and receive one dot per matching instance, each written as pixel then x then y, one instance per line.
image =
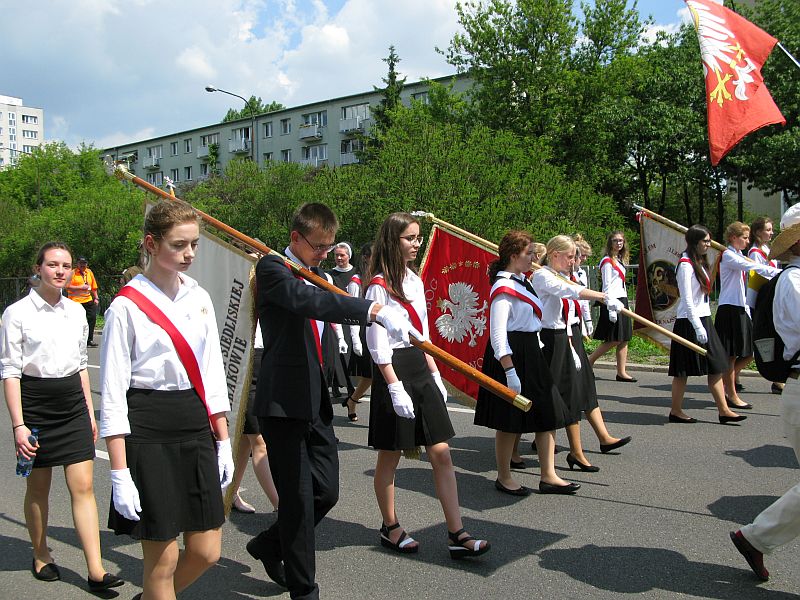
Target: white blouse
pixel 40 340
pixel 733 270
pixel 613 283
pixel 693 302
pixel 586 305
pixel 354 289
pixel 378 342
pixel 759 255
pixel 784 309
pixel 510 313
pixel 551 289
pixel 137 353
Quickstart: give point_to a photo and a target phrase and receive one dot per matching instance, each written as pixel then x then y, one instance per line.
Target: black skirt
pixel 250 425
pixel 361 366
pixel 735 330
pixel 684 362
pixel 548 411
pixel 173 462
pixel 431 423
pixel 606 331
pixel 56 407
pixel 562 368
pixel 585 377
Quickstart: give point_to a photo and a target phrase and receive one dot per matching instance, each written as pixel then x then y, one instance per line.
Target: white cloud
pixel 195 62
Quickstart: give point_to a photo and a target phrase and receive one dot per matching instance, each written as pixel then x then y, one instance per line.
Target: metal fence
pixel 14 288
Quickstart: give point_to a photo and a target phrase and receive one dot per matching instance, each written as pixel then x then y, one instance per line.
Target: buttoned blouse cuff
pixel 381 357
pixel 10 372
pixel 369 311
pixel 120 427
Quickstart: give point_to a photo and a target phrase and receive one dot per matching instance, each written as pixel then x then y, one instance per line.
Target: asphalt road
pixel 653 522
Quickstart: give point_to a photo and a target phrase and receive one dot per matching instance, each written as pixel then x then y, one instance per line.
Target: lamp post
pixel 254 134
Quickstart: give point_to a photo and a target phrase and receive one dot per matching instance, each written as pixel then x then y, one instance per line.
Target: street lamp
pixel 254 135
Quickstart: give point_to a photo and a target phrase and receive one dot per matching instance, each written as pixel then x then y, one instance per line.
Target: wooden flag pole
pixel 493 248
pixel 451 361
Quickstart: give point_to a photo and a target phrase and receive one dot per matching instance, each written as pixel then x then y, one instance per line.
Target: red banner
pixel 733 51
pixel 455 274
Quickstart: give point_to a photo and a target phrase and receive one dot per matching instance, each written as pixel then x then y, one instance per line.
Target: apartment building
pixel 21 129
pixel 321 133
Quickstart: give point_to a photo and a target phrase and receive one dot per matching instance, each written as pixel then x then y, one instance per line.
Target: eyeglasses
pixel 706 242
pixel 413 238
pixel 618 241
pixel 320 248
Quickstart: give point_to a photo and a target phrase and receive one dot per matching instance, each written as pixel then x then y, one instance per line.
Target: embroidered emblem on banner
pixel 461 316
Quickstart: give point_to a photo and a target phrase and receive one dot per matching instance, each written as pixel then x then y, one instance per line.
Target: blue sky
pixel 113 71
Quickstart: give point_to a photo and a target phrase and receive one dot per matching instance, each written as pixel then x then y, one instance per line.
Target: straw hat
pixel 789 235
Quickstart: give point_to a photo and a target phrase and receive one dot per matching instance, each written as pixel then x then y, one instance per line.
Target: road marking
pixel 101 454
pixel 93 366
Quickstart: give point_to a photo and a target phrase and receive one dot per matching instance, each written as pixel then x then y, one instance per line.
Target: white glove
pixel 124 494
pixel 401 401
pixel 342 346
pixel 612 304
pixel 576 359
pixel 589 328
pixel 437 377
pixel 225 462
pixel 701 334
pixel 396 324
pixel 512 380
pixel 355 332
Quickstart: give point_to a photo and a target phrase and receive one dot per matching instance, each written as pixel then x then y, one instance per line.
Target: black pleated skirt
pixel 562 368
pixel 548 411
pixel 361 366
pixel 56 407
pixel 606 331
pixel 173 462
pixel 250 425
pixel 585 377
pixel 684 362
pixel 431 423
pixel 735 330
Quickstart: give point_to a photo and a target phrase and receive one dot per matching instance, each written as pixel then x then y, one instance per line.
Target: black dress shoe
pixel 606 448
pixel 738 387
pixel 518 464
pixel 753 557
pixel 725 420
pixel 109 581
pixel 91 344
pixel 549 488
pixel 574 462
pixel 520 491
pixel 622 379
pixel 272 566
pixel 745 406
pixel 776 389
pixel 49 572
pixel 677 419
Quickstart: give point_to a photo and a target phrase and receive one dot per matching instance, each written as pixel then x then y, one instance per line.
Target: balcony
pixel 241 146
pixel 313 162
pixel 152 162
pixel 312 131
pixel 348 158
pixel 352 125
pixel 202 152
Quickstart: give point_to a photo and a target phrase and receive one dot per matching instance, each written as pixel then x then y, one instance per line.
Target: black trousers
pixel 305 467
pixel 91 317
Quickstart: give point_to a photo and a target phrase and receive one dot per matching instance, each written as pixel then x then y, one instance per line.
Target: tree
pixel 391 94
pixel 254 106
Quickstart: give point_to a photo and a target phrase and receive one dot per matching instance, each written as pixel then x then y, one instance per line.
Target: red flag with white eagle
pixel 455 273
pixel 733 51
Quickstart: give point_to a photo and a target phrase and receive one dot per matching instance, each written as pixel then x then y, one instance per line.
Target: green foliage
pixel 254 106
pixel 391 94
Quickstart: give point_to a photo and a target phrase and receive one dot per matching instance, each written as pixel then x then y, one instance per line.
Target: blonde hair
pixel 560 243
pixel 736 229
pixel 582 245
pixel 540 251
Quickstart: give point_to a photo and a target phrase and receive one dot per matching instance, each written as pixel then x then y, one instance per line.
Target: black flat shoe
pixel 738 386
pixel 49 572
pixel 776 389
pixel 677 419
pixel 574 462
pixel 272 566
pixel 520 491
pixel 518 464
pixel 745 406
pixel 725 420
pixel 109 581
pixel 606 448
pixel 626 379
pixel 549 488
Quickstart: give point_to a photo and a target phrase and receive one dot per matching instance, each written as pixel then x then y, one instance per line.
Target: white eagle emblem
pixel 465 318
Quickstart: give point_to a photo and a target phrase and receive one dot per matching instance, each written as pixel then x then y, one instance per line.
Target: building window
pixel 267 157
pixel 350 146
pixel 211 138
pixel 1 131
pixel 242 133
pixel 286 155
pixel 203 169
pixel 315 153
pixel 187 173
pixel 28 149
pixel 187 145
pixel 268 129
pixel 356 111
pixel 173 174
pixel 286 126
pixel 31 119
pixel 12 137
pixel 154 152
pixel 173 148
pixel 29 134
pixel 156 179
pixel 12 118
pixel 421 97
pixel 316 118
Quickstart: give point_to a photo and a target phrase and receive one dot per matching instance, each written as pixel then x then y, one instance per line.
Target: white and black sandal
pixel 459 549
pixel 403 545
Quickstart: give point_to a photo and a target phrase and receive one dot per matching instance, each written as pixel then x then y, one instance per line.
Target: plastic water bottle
pixel 25 465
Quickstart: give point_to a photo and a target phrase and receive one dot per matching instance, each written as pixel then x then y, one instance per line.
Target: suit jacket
pixel 290 381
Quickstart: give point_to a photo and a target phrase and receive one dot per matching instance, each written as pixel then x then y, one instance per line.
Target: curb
pixel 603 364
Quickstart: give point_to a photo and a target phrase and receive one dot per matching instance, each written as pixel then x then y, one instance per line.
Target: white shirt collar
pixel 40 303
